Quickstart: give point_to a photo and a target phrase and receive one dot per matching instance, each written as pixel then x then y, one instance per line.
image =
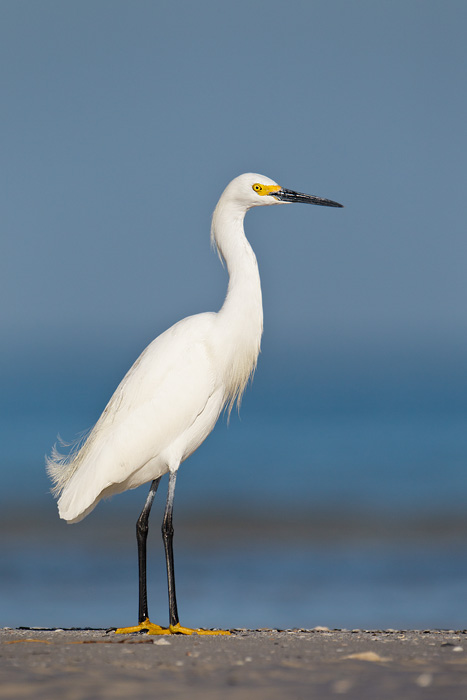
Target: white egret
pixel 171 398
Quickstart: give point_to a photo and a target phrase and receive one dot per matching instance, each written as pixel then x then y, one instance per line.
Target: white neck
pixel 241 315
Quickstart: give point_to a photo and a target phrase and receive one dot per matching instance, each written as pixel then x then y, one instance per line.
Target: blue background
pixel 121 125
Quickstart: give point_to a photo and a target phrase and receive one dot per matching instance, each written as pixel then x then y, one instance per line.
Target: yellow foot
pixel 150 628
pixel 178 629
pixel 145 626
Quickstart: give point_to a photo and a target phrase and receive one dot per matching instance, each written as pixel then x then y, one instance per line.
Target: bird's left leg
pixel 167 536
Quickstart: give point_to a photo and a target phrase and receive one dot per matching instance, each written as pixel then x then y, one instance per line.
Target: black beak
pixel 290 196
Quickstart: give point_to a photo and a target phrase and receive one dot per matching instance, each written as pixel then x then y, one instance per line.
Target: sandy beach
pixel 256 664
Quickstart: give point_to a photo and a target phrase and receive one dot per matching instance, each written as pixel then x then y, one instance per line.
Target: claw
pixel 145 626
pixel 151 628
pixel 178 629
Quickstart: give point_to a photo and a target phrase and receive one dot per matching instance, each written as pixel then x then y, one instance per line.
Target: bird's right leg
pixel 142 527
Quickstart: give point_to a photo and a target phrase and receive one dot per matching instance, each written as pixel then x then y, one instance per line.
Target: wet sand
pixel 249 664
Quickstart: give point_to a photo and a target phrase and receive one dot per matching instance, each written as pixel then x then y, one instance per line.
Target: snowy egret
pixel 171 398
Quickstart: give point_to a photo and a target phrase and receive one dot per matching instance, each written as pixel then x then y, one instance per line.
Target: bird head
pixel 253 190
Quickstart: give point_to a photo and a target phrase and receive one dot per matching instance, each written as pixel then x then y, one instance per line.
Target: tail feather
pixel 77 494
pixel 61 467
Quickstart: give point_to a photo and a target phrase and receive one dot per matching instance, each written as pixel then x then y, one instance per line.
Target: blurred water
pixel 402 460
pixel 340 585
pixel 344 511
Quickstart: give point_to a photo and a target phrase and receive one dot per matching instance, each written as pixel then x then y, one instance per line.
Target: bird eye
pixel 257 187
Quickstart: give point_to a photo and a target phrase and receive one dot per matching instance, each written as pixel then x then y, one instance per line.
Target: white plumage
pixel 171 398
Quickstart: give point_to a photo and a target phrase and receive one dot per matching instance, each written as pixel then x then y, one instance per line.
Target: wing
pixel 159 402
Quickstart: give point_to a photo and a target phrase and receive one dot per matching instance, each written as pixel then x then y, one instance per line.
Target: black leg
pixel 142 528
pixel 167 536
